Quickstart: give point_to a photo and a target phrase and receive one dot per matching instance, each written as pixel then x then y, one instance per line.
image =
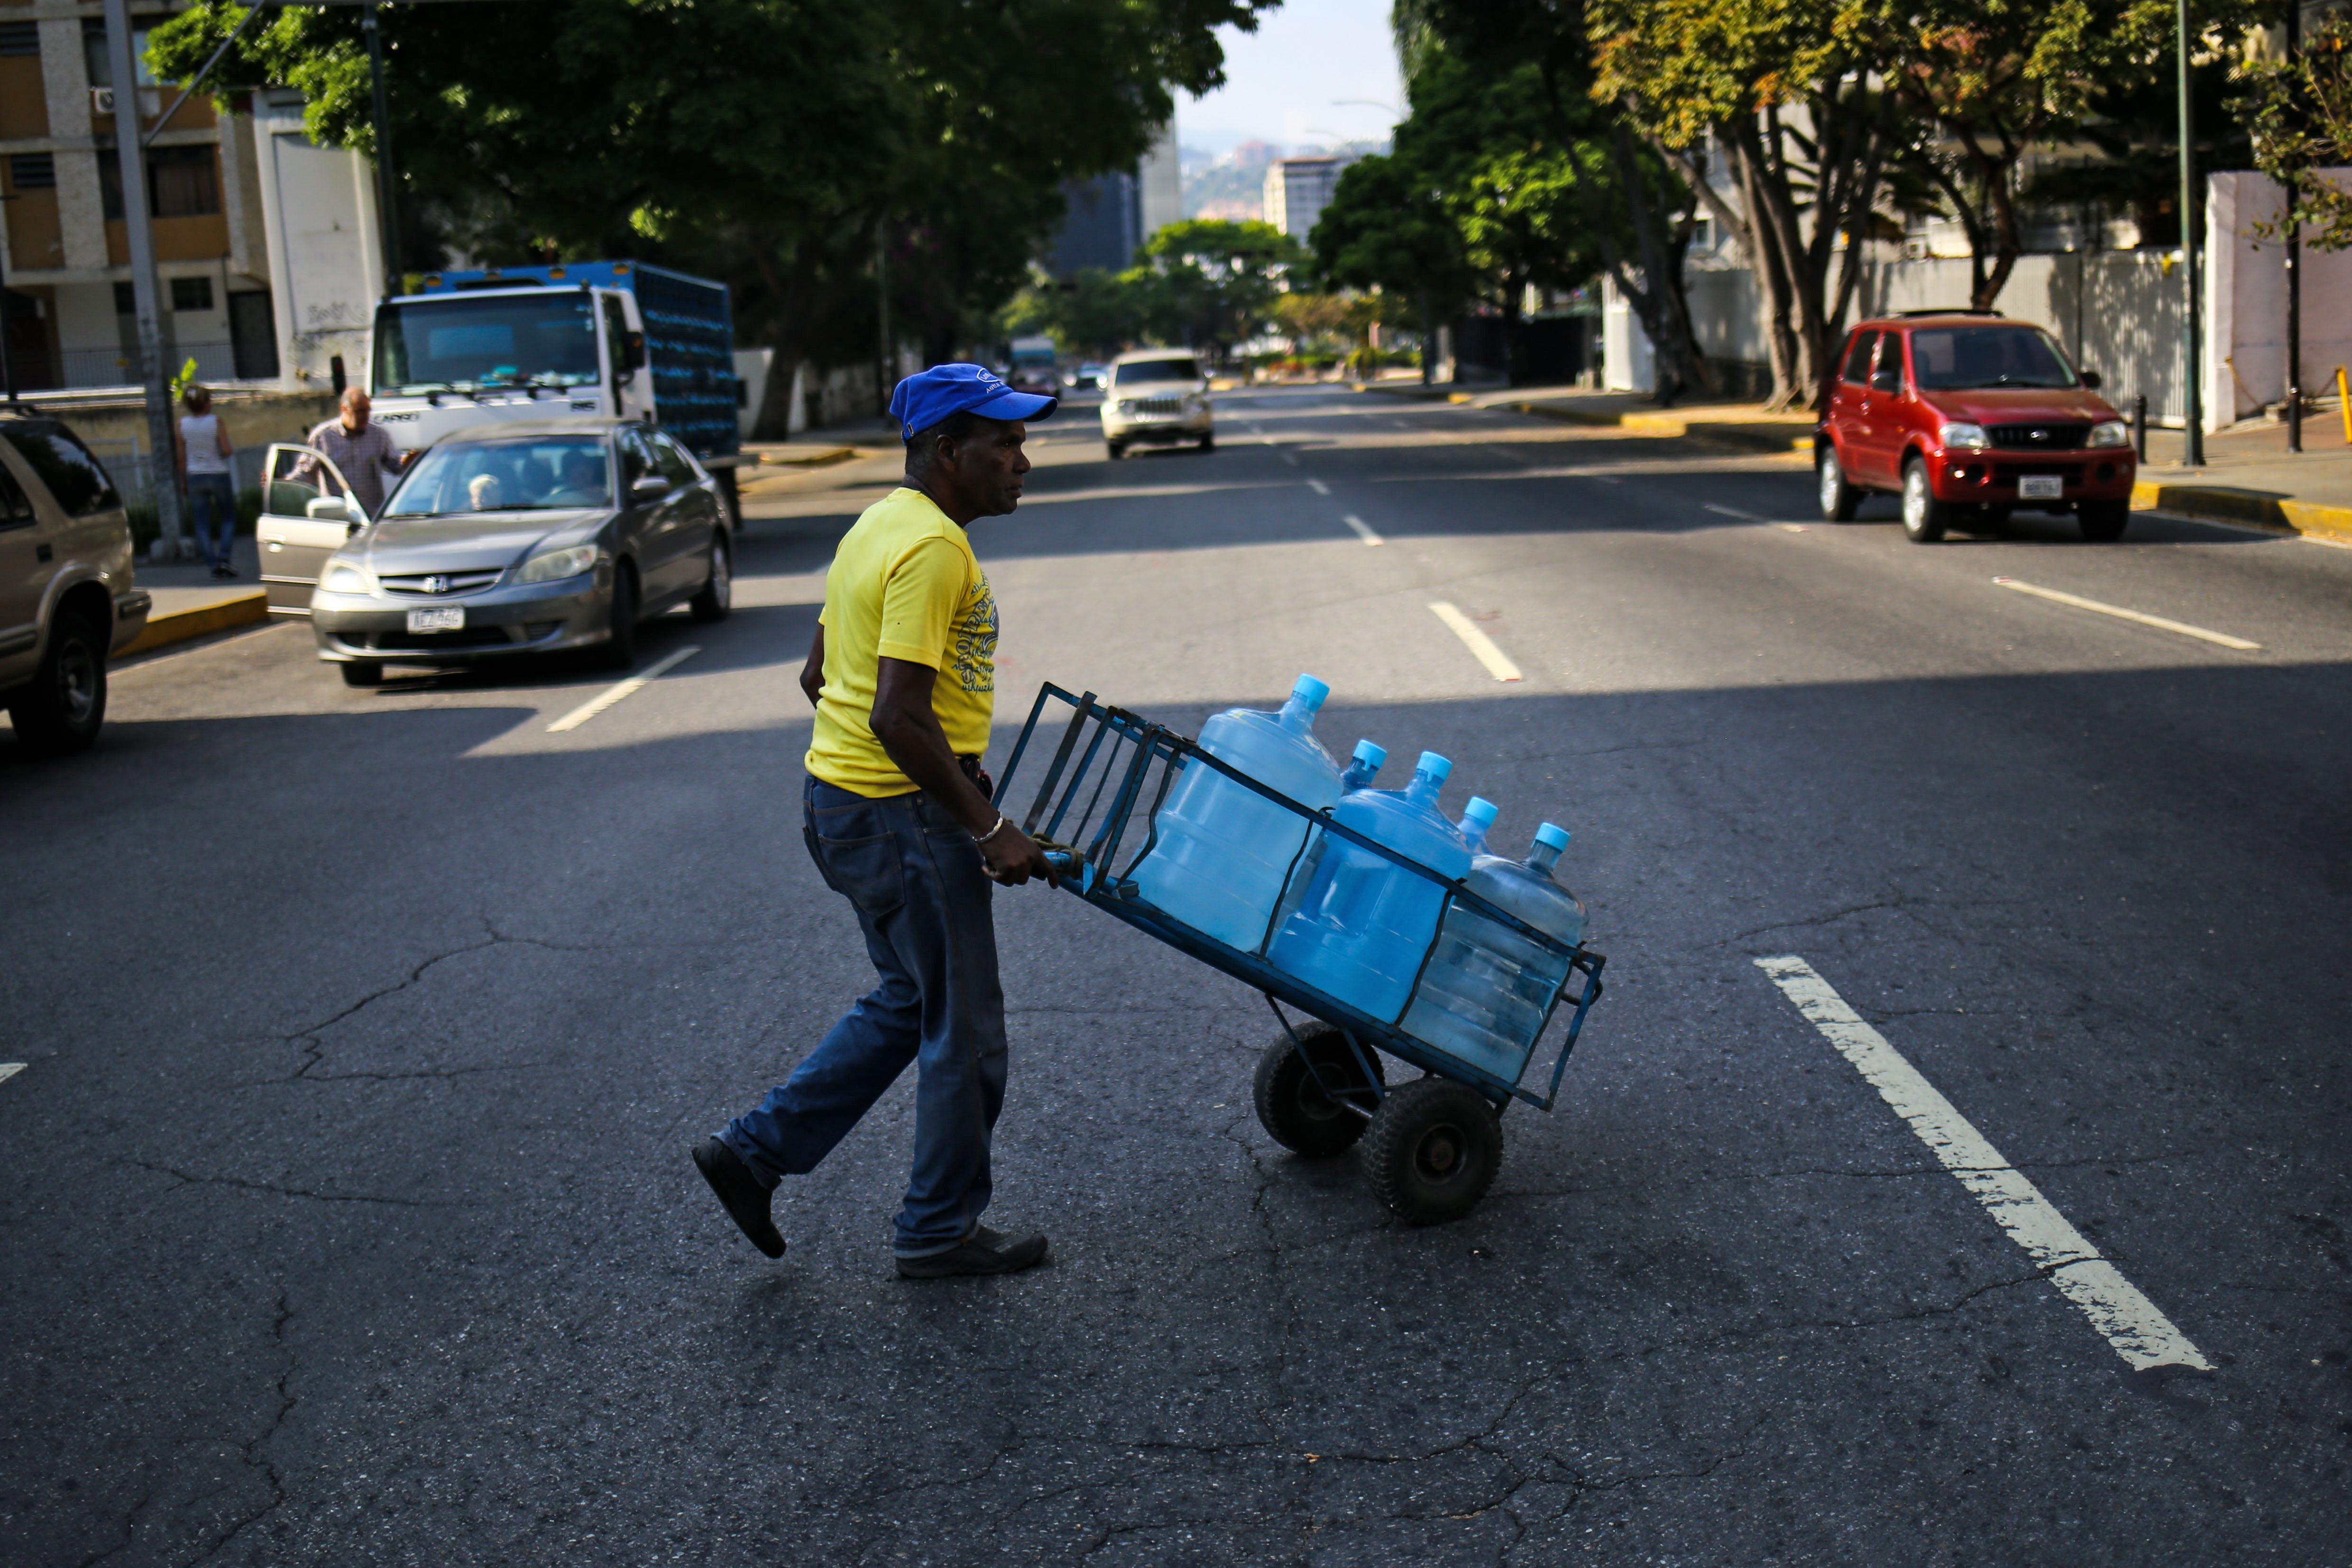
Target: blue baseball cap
pixel 929 396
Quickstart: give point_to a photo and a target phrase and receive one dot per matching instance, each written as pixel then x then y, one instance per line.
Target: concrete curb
pixel 2256 509
pixel 161 630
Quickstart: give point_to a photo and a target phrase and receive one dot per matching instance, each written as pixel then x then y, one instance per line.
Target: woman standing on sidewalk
pixel 207 480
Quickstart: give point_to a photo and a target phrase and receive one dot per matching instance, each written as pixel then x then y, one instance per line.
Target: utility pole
pixel 2192 448
pixel 154 375
pixel 2293 256
pixel 7 364
pixel 387 185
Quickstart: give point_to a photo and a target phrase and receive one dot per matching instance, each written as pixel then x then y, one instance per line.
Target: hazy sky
pixel 1283 82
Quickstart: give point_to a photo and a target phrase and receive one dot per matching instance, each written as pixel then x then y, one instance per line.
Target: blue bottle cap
pixel 1369 755
pixel 1311 691
pixel 1481 811
pixel 1552 836
pixel 1436 767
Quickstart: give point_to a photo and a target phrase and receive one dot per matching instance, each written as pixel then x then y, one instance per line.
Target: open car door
pixel 306 512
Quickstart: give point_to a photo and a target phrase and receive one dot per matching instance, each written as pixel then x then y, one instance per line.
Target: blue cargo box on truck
pixel 689 338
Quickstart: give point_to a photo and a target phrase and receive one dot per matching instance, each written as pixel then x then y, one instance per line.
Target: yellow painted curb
pixel 163 630
pixel 2259 508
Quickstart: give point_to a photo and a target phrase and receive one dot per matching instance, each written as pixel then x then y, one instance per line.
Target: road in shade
pixel 347 1209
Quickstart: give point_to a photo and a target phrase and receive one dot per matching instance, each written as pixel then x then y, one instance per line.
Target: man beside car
pixel 896 814
pixel 361 450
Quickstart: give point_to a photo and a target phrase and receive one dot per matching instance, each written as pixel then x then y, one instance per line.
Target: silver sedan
pixel 515 539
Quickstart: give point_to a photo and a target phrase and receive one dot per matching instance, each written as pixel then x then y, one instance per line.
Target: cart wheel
pixel 1432 1150
pixel 1293 1107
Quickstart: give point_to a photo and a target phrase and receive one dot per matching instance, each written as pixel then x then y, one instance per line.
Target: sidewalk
pixel 189 603
pixel 2250 478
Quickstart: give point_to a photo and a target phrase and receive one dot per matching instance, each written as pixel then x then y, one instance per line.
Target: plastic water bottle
pixel 1362 767
pixel 1224 851
pixel 1365 922
pixel 1476 818
pixel 1487 987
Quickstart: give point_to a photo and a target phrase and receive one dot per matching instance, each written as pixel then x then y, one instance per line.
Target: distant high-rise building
pixel 1296 192
pixel 1162 176
pixel 1102 228
pixel 1254 154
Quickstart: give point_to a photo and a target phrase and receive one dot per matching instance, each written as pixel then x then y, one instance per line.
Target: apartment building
pixel 1296 192
pixel 268 247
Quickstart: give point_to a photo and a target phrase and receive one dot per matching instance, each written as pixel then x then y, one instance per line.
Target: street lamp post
pixel 154 375
pixel 2293 261
pixel 2192 451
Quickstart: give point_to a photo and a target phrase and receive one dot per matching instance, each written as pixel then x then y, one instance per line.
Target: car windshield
pixel 467 344
pixel 535 474
pixel 1950 358
pixel 1156 371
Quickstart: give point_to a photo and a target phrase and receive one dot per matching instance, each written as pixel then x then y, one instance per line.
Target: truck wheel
pixel 362 673
pixel 63 707
pixel 718 593
pixel 1432 1150
pixel 1838 497
pixel 1292 1106
pixel 2103 522
pixel 1924 518
pixel 620 649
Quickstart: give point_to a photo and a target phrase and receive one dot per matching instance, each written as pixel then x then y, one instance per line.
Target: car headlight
pixel 343 578
pixel 555 565
pixel 1967 437
pixel 2110 433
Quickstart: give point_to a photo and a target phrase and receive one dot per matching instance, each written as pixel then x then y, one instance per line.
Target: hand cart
pixel 1431 1145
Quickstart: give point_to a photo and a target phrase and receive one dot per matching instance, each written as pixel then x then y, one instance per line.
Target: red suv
pixel 1966 414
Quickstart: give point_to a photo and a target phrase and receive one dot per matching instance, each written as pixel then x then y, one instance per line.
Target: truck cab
pixel 479 356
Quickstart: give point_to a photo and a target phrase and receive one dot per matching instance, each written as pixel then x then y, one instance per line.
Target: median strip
pixel 620 692
pixel 2181 628
pixel 1482 647
pixel 2128 1321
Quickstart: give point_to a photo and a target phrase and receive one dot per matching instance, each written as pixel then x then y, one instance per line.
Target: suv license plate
pixel 2030 487
pixel 453 618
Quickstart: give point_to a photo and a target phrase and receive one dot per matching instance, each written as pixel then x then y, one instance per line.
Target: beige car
pixel 1158 397
pixel 65 598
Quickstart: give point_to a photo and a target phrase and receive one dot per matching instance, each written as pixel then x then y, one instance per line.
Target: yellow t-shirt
pixel 904 584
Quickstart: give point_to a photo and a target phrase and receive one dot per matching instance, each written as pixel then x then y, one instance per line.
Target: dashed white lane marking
pixel 1733 512
pixel 1319 487
pixel 2120 613
pixel 1363 530
pixel 2141 1333
pixel 1482 647
pixel 1792 528
pixel 620 692
pixel 9 1069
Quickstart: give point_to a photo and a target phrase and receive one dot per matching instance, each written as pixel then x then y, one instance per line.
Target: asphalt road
pixel 346 1206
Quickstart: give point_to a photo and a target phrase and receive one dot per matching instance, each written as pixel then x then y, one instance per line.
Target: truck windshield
pixel 1950 358
pixel 528 473
pixel 470 344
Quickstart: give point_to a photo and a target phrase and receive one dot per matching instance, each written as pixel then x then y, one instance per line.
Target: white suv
pixel 1156 395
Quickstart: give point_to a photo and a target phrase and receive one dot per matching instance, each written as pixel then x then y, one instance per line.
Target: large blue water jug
pixel 1362 767
pixel 1222 850
pixel 1364 924
pixel 1476 818
pixel 1488 986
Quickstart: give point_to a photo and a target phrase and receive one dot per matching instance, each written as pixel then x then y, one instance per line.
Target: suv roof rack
pixel 1946 311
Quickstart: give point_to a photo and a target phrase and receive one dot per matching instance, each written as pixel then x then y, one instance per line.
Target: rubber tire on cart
pixel 716 597
pixel 2102 522
pixel 1432 1150
pixel 1839 498
pixel 1924 518
pixel 1117 449
pixel 620 649
pixel 62 708
pixel 362 673
pixel 1292 1106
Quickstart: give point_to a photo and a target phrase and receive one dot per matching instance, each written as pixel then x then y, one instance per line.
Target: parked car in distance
pixel 1160 396
pixel 504 541
pixel 67 602
pixel 1087 377
pixel 1968 415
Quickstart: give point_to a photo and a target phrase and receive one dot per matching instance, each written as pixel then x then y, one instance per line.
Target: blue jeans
pixel 922 898
pixel 211 505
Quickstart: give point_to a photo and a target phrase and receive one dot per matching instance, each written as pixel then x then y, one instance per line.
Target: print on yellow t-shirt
pixel 904 584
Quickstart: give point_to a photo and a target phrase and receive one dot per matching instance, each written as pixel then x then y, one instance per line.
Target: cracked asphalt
pixel 347 1209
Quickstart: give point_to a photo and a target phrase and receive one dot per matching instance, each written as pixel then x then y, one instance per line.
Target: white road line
pixel 2120 613
pixel 1363 530
pixel 9 1069
pixel 1792 528
pixel 2141 1335
pixel 1319 487
pixel 1482 647
pixel 1734 512
pixel 627 689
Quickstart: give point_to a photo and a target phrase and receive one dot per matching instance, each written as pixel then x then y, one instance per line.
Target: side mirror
pixel 633 353
pixel 2091 380
pixel 649 487
pixel 335 510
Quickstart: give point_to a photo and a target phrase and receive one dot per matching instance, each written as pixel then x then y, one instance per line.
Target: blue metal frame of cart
pixel 1085 808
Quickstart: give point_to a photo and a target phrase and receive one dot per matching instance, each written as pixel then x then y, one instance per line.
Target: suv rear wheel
pixel 1838 497
pixel 1924 518
pixel 64 705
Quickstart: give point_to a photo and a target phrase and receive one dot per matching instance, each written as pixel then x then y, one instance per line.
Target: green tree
pixel 2302 115
pixel 1219 278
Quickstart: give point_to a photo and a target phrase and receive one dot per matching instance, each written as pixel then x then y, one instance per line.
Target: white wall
pixel 2246 301
pixel 326 267
pixel 1627 363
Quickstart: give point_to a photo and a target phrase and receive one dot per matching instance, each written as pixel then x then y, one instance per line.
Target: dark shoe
pixel 740 1191
pixel 985 1251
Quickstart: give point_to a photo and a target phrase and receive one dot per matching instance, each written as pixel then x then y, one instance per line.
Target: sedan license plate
pixel 452 619
pixel 2030 487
